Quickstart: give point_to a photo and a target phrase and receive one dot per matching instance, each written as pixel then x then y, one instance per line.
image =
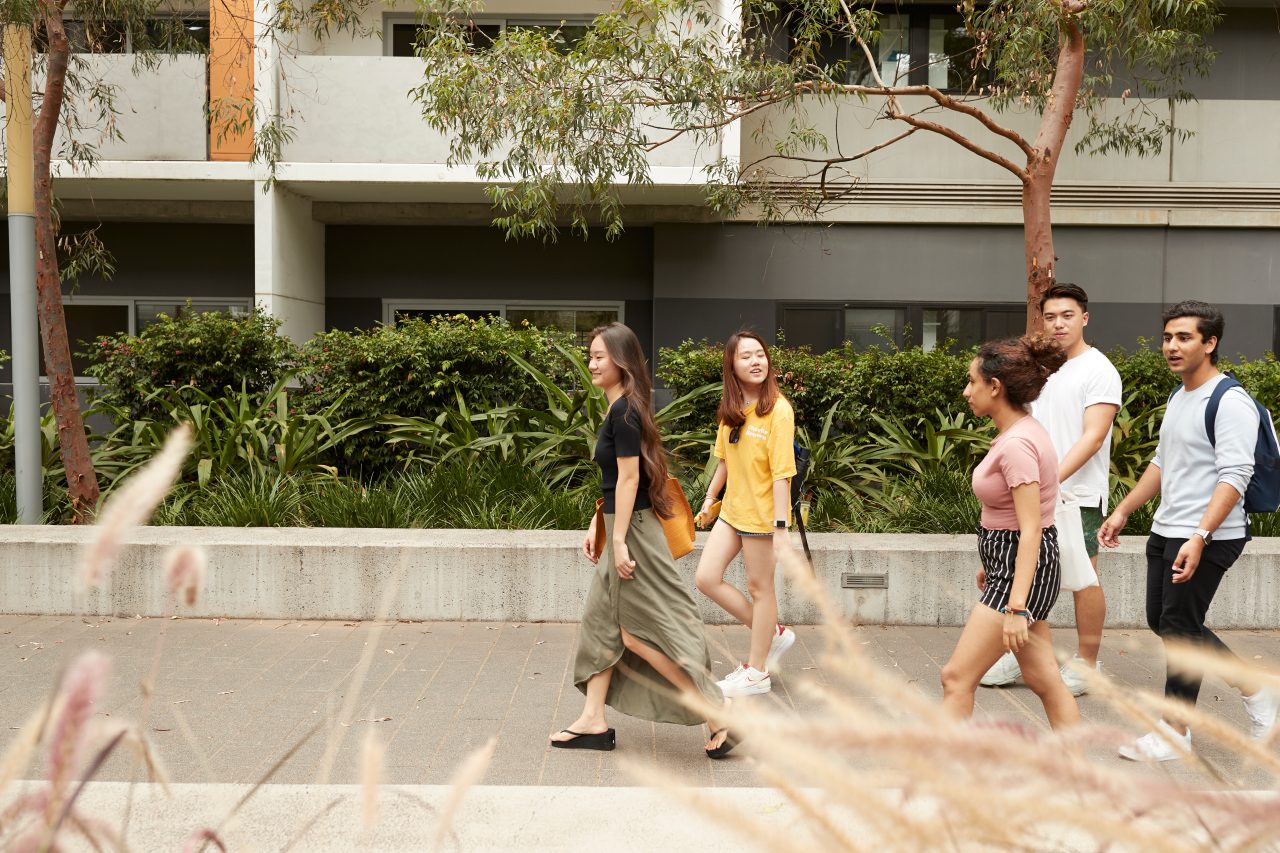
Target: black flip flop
pixel 604 741
pixel 730 741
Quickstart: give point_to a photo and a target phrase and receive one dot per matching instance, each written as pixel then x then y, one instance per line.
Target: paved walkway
pixel 232 696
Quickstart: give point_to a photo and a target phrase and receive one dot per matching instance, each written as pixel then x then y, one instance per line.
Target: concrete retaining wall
pixel 540 576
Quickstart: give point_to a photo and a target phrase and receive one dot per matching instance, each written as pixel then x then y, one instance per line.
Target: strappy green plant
pixel 233 432
pixel 952 442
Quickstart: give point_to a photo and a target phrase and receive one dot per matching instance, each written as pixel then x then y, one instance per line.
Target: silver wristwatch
pixel 1206 535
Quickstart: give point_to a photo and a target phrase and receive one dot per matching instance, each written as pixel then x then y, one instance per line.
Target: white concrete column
pixel 288 247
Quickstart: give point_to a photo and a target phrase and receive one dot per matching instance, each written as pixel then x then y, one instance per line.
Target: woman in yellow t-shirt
pixel 755 446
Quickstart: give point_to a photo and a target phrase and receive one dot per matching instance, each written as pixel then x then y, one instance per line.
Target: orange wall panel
pixel 230 79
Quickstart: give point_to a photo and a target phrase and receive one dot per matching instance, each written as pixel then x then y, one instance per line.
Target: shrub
pixel 208 350
pixel 894 383
pixel 1145 377
pixel 421 368
pixel 1262 377
pixel 232 432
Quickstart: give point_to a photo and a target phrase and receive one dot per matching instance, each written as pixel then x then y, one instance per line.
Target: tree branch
pixel 960 139
pixel 832 161
pixel 1056 119
pixel 946 102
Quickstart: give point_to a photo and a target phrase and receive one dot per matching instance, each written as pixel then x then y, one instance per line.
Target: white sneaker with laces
pixel 1157 747
pixel 783 640
pixel 1077 683
pixel 1002 672
pixel 745 681
pixel 1261 708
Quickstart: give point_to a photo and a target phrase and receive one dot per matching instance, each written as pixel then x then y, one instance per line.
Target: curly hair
pixel 1023 365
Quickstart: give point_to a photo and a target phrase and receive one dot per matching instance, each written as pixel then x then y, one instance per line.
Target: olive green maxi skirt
pixel 656 608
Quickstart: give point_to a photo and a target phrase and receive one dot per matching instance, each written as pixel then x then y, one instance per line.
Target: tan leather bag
pixel 678 528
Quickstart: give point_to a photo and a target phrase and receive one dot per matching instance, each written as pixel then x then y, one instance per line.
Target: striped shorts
pixel 998 550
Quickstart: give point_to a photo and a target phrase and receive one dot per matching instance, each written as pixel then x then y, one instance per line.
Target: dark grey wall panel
pixel 168 259
pixel 349 313
pixel 707 278
pixel 423 262
pixel 1248 63
pixel 915 263
pixel 1249 328
pixel 840 262
pixel 676 320
pixel 1224 265
pixel 158 259
pixel 639 316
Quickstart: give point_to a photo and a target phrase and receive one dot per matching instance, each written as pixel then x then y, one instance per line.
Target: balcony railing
pixel 358 109
pixel 1229 144
pixel 160 113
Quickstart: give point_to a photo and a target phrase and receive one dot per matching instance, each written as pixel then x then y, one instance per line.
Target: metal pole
pixel 22 273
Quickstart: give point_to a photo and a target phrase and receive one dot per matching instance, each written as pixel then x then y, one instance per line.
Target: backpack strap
pixel 1211 410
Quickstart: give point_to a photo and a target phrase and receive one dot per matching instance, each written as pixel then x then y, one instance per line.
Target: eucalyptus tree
pixel 77 111
pixel 559 126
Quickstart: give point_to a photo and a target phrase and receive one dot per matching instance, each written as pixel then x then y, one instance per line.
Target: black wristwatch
pixel 780 523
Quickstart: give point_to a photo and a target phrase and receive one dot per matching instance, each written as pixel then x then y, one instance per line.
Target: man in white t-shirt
pixel 1077 407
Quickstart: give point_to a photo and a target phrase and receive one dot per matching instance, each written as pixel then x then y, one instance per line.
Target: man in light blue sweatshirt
pixel 1200 528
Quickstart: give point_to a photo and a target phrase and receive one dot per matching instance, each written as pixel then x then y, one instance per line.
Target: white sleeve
pixel 1236 436
pixel 1104 387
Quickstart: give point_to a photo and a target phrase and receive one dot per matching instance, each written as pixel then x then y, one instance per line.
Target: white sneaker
pixel 1261 708
pixel 1157 747
pixel 745 681
pixel 781 643
pixel 1077 683
pixel 1002 672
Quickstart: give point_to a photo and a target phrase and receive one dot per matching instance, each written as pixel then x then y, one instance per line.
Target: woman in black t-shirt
pixel 641 641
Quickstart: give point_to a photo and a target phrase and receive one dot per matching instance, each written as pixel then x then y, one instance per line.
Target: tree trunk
pixel 1037 236
pixel 1037 187
pixel 82 481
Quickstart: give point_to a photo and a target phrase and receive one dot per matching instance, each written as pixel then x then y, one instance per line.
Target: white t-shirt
pixel 1084 381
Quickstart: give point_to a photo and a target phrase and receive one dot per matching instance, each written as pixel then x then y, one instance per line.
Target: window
pixel 85 324
pixel 866 328
pixel 951 55
pixel 149 312
pixel 481 32
pixel 577 319
pixel 826 326
pixel 937 33
pixel 178 34
pixel 91 317
pixel 186 35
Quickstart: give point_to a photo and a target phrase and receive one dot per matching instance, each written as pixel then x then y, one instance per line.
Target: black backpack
pixel 1263 491
pixel 803 458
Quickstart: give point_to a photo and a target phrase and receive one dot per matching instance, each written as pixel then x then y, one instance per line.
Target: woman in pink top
pixel 1017 483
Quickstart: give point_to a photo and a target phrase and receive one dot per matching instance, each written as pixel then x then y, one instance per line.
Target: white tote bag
pixel 1077 571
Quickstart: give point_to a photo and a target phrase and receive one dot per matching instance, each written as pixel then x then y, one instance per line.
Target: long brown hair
pixel 732 411
pixel 624 350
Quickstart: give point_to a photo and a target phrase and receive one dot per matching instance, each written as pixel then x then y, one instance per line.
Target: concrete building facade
pixel 366 221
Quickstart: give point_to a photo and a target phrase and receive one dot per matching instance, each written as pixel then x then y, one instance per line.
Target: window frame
pixel 913 313
pixel 127 46
pixel 391 19
pixel 499 307
pixel 917 23
pixel 131 302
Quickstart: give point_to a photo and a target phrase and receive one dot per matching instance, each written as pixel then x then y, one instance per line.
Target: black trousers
pixel 1178 609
